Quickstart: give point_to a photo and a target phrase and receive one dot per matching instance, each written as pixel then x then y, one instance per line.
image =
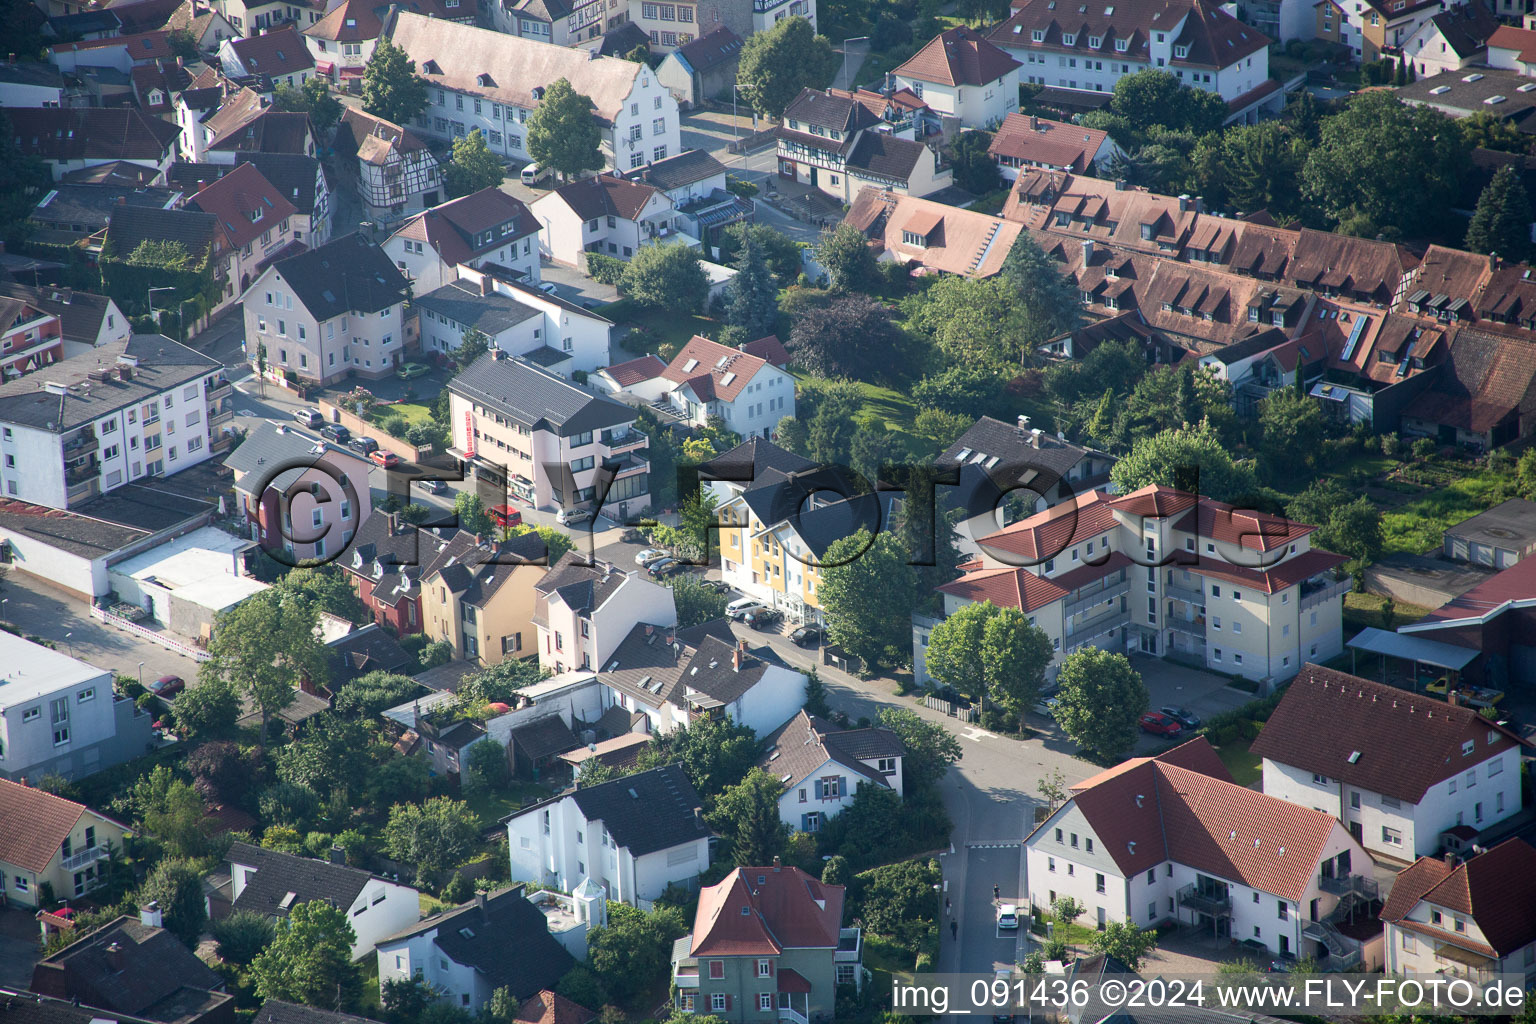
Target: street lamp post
pixel 141 675
pixel 69 639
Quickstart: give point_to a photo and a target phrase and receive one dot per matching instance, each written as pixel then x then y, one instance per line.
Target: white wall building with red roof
pixel 961 74
pixel 1165 573
pixel 1173 838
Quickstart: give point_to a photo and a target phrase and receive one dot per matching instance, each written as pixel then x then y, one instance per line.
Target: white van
pixel 532 173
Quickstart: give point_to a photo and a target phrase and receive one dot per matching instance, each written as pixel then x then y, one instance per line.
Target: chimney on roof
pixel 1493 261
pixel 775 863
pixel 1450 858
pixel 736 660
pixel 1451 697
pixel 480 900
pixel 394 523
pixel 338 854
pixel 1184 203
pixel 485 284
pixel 1034 437
pixel 150 916
pixel 1087 252
pixel 1119 184
pixel 115 957
pixel 1034 123
pixel 1199 204
pixel 1023 425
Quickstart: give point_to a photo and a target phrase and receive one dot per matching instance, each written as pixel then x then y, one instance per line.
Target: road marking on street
pixel 974 733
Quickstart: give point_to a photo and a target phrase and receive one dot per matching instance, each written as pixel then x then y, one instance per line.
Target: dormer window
pixel 1038 35
pixel 913 238
pixel 1067 40
pixel 1094 42
pixel 1181 52
pixel 1121 45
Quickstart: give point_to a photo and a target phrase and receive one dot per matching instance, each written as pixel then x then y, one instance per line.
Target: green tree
pixel 829 431
pixel 1045 298
pixel 1015 654
pixel 1125 942
pixel 1502 221
pixel 328 587
pixel 474 344
pixel 582 987
pixel 1169 397
pixel 791 435
pixel 780 251
pixel 633 949
pixel 391 89
pixel 1345 523
pixel 324 757
pixel 208 710
pixel 243 935
pixel 1381 165
pixel 1250 167
pixel 1153 97
pixel 844 252
pixel 262 643
pixel 715 753
pixel 309 960
pixel 898 900
pixel 473 166
pixel 371 694
pixel 556 543
pixel 873 448
pixel 695 602
pixel 868 591
pixel 1487 130
pixel 434 836
pixel 975 169
pixel 747 815
pixel 1113 366
pixel 1101 701
pixel 851 336
pixel 974 322
pixel 775 65
pixel 816 703
pixel 1188 458
pixel 225 774
pixel 177 885
pixel 930 748
pixel 752 297
pixel 1293 429
pixel 487 764
pixel 563 134
pixel 313 98
pixel 666 277
pixel 471 513
pixel 172 811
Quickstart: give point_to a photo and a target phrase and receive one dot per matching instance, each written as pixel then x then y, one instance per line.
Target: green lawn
pixel 1362 610
pixel 1244 766
pixel 651 328
pixel 1458 493
pixel 490 806
pixel 412 412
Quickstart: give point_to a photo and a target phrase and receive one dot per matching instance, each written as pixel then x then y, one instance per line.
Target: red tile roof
pixel 1255 531
pixel 454 228
pixel 1153 500
pixel 1274 579
pixel 716 372
pixel 1046 534
pixel 606 195
pixel 1496 888
pixel 636 370
pixel 1197 755
pixel 1043 141
pixel 1006 588
pixel 546 1007
pixel 1373 736
pixel 275 54
pixel 1156 811
pixel 763 910
pixel 246 203
pixel 1517 583
pixel 143 46
pixel 959 56
pixel 33 825
pixel 770 349
pixel 1521 40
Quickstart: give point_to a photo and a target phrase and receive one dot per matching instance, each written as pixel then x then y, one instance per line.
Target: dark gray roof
pixel 883 154
pixel 777 497
pixel 685 168
pixel 581 584
pixel 461 302
pixel 272 445
pixel 819 108
pixel 150 504
pixel 275 1011
pixel 619 41
pixel 67 26
pixel 161 364
pixel 711 49
pixel 160 979
pixel 546 356
pixel 536 398
pixel 1013 447
pixel 295 175
pixel 278 874
pixel 345 274
pixel 692 667
pixel 29 1008
pixel 31 72
pixel 90 206
pixel 1251 345
pixel 544 737
pixel 67 531
pixel 131 225
pixel 188 176
pixel 507 942
pixel 751 459
pixel 370 649
pixel 80 313
pixel 804 743
pixel 447 677
pixel 645 812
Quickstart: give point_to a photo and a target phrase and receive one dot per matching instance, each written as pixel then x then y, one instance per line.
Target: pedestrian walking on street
pixel 946 906
pixel 954 929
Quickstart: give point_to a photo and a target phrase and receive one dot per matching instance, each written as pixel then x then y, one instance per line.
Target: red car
pixel 505 516
pixel 1159 724
pixel 385 458
pixel 167 686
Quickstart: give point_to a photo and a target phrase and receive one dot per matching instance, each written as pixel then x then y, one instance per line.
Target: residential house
pixel 766 940
pixel 1453 39
pixel 1197 40
pixel 300 494
pixel 49 840
pixel 695 183
pixel 519 319
pixel 271 883
pixel 116 52
pixel 958 61
pixel 301 180
pixel 932 237
pixel 275 1011
pixel 169 984
pixel 85 320
pixel 278 57
pixel 389 561
pixel 242 122
pixel 484 608
pixel 344 302
pixel 342 41
pixel 548 1007
pixel 708 380
pixel 1460 94
pixel 1511 48
pixel 70 139
pixel 1227 589
pixel 156 84
pixel 822 767
pixel 1469 920
pixel 607 214
pixel 201 234
pixel 30 337
pixel 489 80
pixel 1398 769
pixel 583 610
pixel 253 17
pixel 257 220
pixel 701 69
pixel 210 95
pixel 666 678
pixel 370 648
pixel 207 27
pixel 633 836
pixel 1381 27
pixel 396 172
pixel 832 141
pixel 141 408
pixel 1025 140
pixel 513 420
pixel 499 941
pixel 485 227
pixel 31 84
pixel 144 15
pixel 1173 838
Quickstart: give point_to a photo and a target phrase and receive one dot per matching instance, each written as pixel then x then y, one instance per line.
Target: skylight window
pixel 689 366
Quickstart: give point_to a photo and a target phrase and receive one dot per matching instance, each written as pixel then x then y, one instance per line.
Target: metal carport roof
pixel 1413 648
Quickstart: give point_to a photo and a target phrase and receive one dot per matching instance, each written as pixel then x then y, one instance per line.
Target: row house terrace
pixel 30 337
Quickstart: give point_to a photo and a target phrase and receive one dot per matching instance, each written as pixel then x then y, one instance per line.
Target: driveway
pixel 18 949
pixel 1172 684
pixel 574 286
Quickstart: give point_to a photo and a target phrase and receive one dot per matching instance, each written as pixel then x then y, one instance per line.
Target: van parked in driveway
pixel 533 174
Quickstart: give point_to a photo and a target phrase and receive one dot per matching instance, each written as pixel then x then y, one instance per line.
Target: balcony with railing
pixel 89 855
pixel 82 443
pixel 1193 627
pixel 1320 589
pixel 1358 885
pixel 221 387
pixel 1213 900
pixel 624 440
pixel 1189 593
pixel 1084 633
pixel 1097 593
